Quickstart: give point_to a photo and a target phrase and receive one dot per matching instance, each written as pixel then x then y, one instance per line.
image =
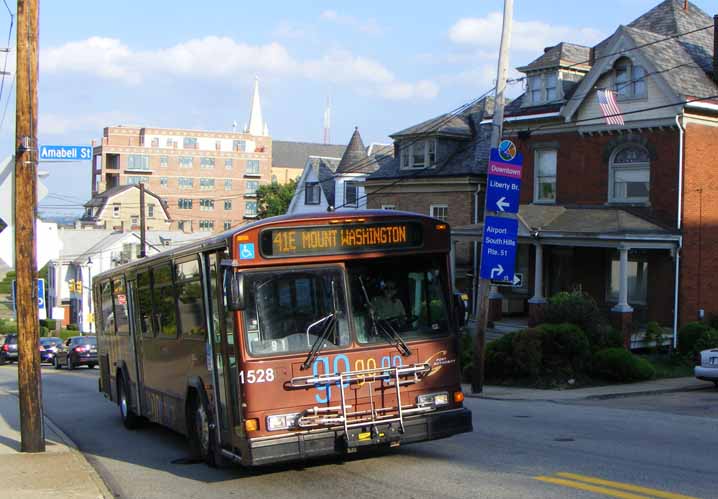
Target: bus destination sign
pixel 339 239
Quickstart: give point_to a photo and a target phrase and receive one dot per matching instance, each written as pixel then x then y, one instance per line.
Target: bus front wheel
pixel 201 433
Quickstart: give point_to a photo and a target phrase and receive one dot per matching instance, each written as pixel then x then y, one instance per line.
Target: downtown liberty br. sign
pixel 498 249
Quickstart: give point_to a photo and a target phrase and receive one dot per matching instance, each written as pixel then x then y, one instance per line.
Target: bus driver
pixel 387 305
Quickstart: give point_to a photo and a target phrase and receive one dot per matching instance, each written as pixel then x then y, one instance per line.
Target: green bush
pixel 708 340
pixel 618 364
pixel 43 331
pixel 527 354
pixel 689 334
pixel 8 327
pixel 49 323
pixel 564 349
pixel 499 361
pixel 72 327
pixel 577 307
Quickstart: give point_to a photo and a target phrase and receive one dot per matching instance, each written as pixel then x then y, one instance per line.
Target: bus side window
pixel 108 315
pixel 189 300
pixel 144 300
pixel 163 297
pixel 119 298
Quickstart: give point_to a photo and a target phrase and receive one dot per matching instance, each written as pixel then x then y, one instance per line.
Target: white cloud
pixel 533 36
pixel 222 58
pixel 367 26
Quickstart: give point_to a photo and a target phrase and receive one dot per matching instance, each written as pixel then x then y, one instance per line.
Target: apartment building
pixel 208 179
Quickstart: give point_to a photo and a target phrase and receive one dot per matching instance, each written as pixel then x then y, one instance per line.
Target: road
pixel 614 448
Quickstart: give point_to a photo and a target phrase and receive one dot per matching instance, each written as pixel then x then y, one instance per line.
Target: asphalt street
pixel 628 448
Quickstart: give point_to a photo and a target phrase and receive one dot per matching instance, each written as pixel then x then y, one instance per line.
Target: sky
pixel 384 65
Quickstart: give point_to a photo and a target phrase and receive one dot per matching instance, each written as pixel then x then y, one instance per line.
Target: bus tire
pixel 200 432
pixel 130 420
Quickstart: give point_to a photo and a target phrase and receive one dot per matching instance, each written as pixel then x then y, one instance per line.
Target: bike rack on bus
pixel 338 415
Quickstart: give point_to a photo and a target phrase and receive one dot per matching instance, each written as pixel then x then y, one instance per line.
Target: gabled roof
pixel 101 200
pixel 326 168
pixel 449 125
pixel 294 154
pixel 355 158
pixel 561 55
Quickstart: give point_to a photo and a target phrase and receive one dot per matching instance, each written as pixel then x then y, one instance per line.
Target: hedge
pixel 689 334
pixel 708 340
pixel 618 364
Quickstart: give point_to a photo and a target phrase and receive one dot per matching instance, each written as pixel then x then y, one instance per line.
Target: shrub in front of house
pixel 8 327
pixel 689 334
pixel 527 354
pixel 499 361
pixel 618 364
pixel 565 349
pixel 579 308
pixel 708 340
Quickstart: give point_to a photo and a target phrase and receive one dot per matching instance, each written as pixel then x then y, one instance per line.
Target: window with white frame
pixel 227 225
pixel 228 164
pixel 135 219
pixel 227 204
pixel 137 179
pixel 388 207
pixel 150 211
pixel 351 194
pixel 206 204
pixel 418 154
pixel 440 211
pixel 250 209
pixel 189 142
pixel 629 175
pixel 185 161
pixel 206 184
pixel 164 182
pixel 228 184
pixel 115 211
pixel 206 225
pixel 312 193
pixel 184 204
pixel 138 162
pixel 545 175
pixel 629 79
pixel 239 145
pixel 252 167
pixel 252 186
pixel 164 161
pixel 185 182
pixel 542 87
pixel 206 162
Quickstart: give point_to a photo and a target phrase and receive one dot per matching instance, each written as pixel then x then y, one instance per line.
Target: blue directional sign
pixel 40 294
pixel 65 153
pixel 498 250
pixel 504 180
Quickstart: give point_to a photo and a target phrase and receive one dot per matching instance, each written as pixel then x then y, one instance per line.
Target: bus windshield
pixel 288 309
pixel 404 293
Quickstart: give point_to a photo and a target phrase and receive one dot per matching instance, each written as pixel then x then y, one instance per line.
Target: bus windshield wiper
pixel 382 326
pixel 330 322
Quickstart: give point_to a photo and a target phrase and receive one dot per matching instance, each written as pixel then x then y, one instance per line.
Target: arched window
pixel 630 79
pixel 630 174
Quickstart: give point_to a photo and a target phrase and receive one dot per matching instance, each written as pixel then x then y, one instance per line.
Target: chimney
pixel 715 48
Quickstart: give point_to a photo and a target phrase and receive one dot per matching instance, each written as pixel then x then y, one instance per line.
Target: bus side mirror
pixel 235 300
pixel 460 308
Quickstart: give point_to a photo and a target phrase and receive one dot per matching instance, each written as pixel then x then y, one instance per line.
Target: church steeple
pixel 256 126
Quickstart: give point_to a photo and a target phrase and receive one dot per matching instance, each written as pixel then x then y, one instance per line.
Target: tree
pixel 273 199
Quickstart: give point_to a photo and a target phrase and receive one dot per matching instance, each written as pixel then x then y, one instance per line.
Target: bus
pixel 289 338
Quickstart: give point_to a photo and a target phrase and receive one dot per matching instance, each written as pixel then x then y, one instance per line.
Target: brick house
pixel 624 212
pixel 438 169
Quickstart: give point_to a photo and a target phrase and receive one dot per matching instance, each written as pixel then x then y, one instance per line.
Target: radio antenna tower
pixel 327 121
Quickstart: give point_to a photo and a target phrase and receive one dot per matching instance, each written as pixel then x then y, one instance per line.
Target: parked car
pixel 76 351
pixel 48 348
pixel 707 369
pixel 8 350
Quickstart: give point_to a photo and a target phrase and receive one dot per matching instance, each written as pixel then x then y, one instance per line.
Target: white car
pixel 708 368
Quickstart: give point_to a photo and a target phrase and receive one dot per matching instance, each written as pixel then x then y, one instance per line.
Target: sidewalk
pixel 670 385
pixel 60 472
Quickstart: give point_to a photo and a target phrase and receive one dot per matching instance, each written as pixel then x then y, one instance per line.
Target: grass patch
pixel 670 366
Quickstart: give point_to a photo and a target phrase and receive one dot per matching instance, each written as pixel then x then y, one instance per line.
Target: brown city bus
pixel 289 338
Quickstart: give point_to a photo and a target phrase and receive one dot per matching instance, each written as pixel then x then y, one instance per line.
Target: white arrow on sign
pixel 501 203
pixel 518 279
pixel 497 271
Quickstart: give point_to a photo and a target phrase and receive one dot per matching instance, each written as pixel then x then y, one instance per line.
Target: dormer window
pixel 418 154
pixel 542 88
pixel 629 79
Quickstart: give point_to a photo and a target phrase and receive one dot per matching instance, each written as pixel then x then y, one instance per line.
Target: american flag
pixel 609 107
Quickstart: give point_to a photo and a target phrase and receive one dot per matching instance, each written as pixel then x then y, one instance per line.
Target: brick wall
pixel 699 256
pixel 582 168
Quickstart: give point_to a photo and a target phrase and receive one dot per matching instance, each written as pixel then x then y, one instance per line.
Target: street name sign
pixel 65 153
pixel 503 183
pixel 498 249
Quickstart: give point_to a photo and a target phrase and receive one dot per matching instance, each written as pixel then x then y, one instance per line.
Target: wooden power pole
pixel 482 315
pixel 28 366
pixel 142 221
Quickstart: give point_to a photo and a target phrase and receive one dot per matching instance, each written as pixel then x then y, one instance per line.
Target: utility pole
pixel 32 437
pixel 482 316
pixel 142 220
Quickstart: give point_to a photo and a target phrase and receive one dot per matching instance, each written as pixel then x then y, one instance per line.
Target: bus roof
pixel 225 238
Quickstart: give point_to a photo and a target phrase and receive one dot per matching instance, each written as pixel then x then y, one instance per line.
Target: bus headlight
pixel 281 421
pixel 433 399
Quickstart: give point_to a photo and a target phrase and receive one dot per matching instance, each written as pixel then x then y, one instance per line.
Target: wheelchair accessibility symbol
pixel 246 251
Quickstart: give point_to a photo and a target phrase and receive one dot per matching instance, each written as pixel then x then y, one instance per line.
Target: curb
pixel 606 396
pixel 75 451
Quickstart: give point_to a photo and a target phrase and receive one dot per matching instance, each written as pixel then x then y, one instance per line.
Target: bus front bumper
pixel 334 442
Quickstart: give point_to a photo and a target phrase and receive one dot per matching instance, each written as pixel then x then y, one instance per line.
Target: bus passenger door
pixel 136 343
pixel 224 361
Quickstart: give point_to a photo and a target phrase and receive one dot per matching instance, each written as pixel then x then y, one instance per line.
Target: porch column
pixel 537 301
pixel 622 313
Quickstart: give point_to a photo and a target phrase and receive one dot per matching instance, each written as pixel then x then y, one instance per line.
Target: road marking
pixel 625 486
pixel 600 486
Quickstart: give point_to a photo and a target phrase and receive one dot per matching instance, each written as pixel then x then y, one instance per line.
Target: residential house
pixel 118 209
pixel 625 212
pixel 439 168
pixel 338 183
